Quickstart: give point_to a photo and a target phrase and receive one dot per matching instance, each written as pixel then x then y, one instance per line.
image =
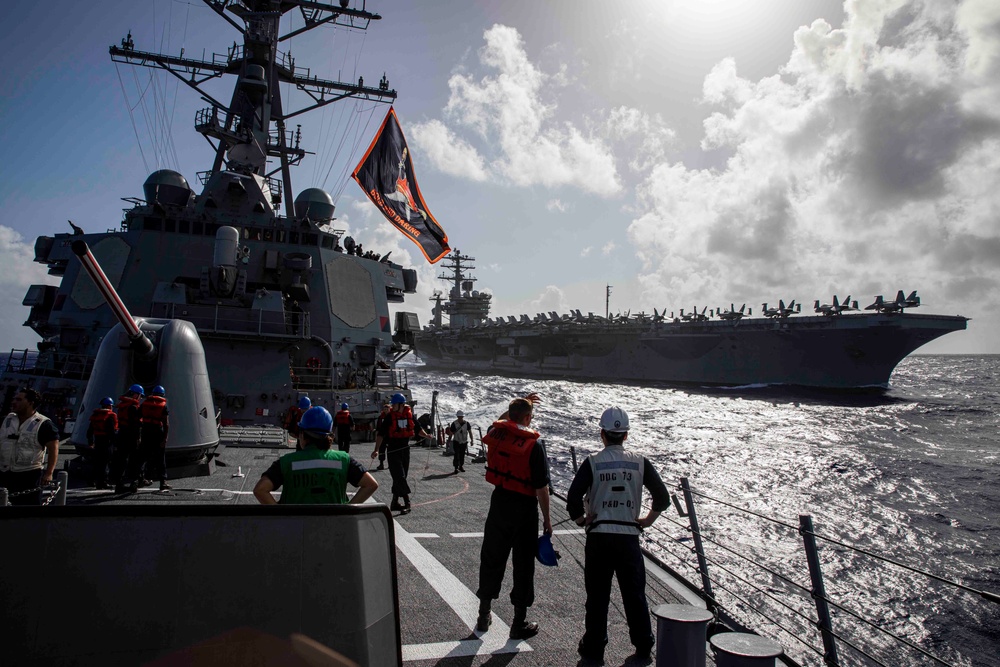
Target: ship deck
pixel 437 549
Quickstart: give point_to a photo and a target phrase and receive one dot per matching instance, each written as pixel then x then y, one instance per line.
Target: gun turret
pixel 137 340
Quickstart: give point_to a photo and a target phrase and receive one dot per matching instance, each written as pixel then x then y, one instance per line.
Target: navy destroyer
pixel 257 275
pixel 833 349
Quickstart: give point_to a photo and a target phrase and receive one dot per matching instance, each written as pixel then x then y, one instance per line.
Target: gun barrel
pixel 138 341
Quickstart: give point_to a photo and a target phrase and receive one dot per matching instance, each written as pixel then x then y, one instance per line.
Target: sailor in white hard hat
pixel 612 481
pixel 460 432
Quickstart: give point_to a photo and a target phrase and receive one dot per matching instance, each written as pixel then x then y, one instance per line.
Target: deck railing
pixel 761 574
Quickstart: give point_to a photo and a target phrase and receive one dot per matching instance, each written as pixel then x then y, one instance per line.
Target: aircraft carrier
pixel 834 349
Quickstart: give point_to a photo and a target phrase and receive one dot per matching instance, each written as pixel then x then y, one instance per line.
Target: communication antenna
pixel 607 301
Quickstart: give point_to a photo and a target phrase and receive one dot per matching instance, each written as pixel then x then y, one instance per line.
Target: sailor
pixel 294 414
pixel 516 465
pixel 154 425
pixel 29 448
pixel 379 428
pixel 345 424
pixel 316 473
pixel 395 437
pixel 101 434
pixel 460 432
pixel 612 482
pixel 126 460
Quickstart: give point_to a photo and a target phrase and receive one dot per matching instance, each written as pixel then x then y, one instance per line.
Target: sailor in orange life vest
pixel 101 435
pixel 345 424
pixel 516 465
pixel 125 460
pixel 294 414
pixel 394 434
pixel 154 425
pixel 612 481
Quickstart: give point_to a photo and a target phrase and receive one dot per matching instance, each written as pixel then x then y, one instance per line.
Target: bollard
pixel 742 649
pixel 680 635
pixel 62 478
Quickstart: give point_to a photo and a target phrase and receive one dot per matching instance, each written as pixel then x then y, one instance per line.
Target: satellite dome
pixel 167 187
pixel 315 204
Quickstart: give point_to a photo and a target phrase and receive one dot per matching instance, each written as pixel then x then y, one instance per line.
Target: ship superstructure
pixel 831 350
pixel 283 302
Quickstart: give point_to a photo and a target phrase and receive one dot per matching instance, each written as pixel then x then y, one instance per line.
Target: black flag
pixel 385 173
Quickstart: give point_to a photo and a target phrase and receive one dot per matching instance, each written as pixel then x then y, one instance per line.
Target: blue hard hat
pixel 137 389
pixel 398 398
pixel 343 406
pixel 158 390
pixel 316 420
pixel 107 400
pixel 305 403
pixel 546 554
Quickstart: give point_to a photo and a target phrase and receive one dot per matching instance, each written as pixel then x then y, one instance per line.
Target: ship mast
pixel 465 307
pixel 241 133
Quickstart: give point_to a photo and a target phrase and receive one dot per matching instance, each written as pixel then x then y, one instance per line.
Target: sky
pixel 688 154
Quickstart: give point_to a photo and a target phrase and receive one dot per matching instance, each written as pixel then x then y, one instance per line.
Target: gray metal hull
pixel 845 352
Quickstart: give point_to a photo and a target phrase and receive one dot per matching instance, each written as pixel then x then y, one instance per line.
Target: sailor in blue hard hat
pixel 316 473
pixel 613 524
pixel 294 414
pixel 154 427
pixel 394 435
pixel 345 427
pixel 101 437
pixel 126 461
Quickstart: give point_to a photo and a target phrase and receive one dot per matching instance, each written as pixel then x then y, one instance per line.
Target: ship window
pixel 170 226
pixel 293 237
pixel 184 226
pixel 197 228
pixel 280 236
pixel 211 228
pixel 309 239
pixel 152 224
pixel 328 242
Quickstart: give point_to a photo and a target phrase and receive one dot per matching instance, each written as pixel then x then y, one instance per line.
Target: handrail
pixel 777 611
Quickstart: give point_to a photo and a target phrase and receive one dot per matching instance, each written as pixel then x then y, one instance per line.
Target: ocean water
pixel 911 475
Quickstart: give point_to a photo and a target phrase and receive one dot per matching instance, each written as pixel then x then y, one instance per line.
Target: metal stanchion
pixel 680 635
pixel 742 649
pixel 62 478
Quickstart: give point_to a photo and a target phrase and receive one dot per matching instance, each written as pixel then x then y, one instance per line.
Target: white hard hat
pixel 459 414
pixel 614 420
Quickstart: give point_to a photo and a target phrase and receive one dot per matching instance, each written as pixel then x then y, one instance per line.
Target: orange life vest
pixel 292 418
pixel 99 422
pixel 508 455
pixel 342 418
pixel 151 411
pixel 401 423
pixel 125 405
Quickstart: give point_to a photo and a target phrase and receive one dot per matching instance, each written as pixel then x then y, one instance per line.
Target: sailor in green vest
pixel 315 474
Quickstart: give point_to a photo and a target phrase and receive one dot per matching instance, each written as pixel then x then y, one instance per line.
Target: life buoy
pixel 313 364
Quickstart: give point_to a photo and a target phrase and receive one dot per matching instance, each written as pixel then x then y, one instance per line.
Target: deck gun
pixel 149 352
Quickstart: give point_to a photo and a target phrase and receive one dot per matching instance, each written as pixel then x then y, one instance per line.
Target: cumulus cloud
pixel 506 109
pixel 557 205
pixel 551 298
pixel 586 251
pixel 644 137
pixel 868 163
pixel 19 273
pixel 607 248
pixel 448 152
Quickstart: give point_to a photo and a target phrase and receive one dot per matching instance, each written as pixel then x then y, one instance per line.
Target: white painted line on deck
pixel 424 536
pixel 570 531
pixel 462 601
pixel 676 586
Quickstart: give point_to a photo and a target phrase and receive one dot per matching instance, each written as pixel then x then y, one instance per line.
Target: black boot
pixel 406 505
pixel 485 618
pixel 394 506
pixel 521 628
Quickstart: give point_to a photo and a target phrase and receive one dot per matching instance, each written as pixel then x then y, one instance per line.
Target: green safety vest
pixel 314 477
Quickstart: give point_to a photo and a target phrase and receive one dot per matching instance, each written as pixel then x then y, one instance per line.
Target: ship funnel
pixel 137 340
